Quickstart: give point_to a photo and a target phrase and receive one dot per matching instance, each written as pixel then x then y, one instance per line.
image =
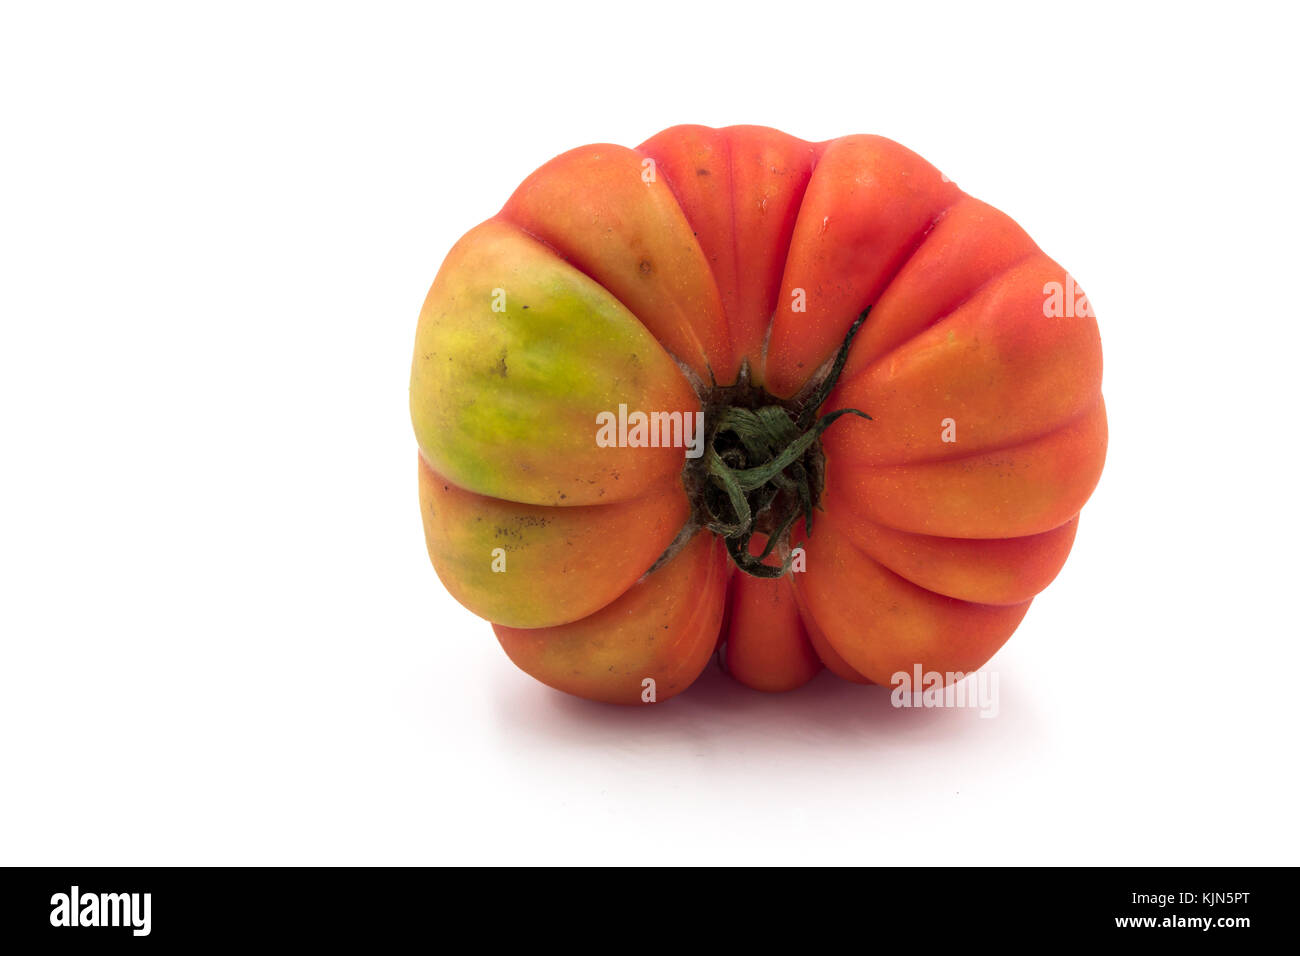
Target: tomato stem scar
pixel 763 466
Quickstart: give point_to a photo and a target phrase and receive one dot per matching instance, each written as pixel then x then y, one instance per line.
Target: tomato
pixel 806 404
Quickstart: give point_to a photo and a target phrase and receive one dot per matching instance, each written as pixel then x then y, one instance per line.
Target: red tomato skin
pixel 767 647
pixel 746 248
pixel 648 645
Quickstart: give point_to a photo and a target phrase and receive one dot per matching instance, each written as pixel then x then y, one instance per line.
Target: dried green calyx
pixel 762 467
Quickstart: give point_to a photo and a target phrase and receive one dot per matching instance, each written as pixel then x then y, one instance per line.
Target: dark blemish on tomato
pixel 646 267
pixel 516 525
pixel 701 172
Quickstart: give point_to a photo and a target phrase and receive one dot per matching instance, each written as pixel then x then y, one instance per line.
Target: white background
pixel 222 639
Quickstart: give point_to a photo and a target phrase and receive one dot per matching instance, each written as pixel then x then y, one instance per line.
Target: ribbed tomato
pixel 898 398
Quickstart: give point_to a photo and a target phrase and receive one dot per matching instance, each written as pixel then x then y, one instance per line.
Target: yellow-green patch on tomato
pixel 517 353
